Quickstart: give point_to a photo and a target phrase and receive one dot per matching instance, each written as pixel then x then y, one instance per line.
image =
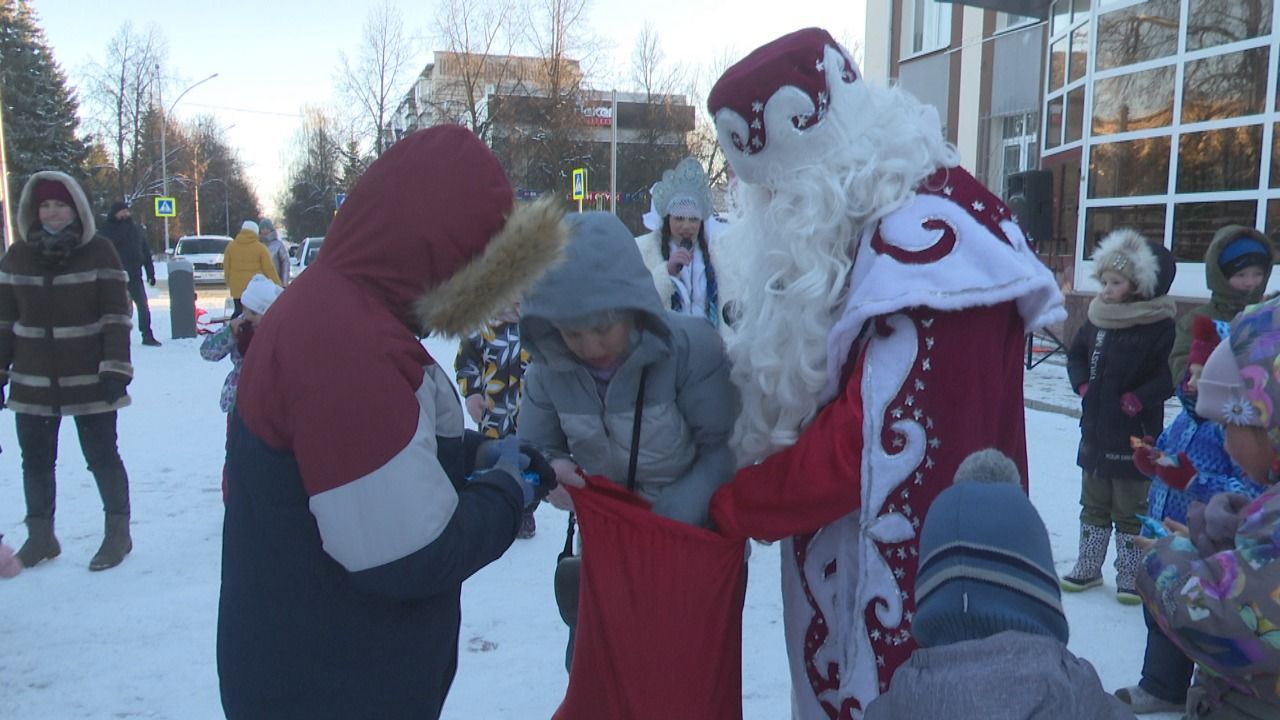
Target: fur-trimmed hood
pixel 530 242
pixel 28 213
pixel 1149 266
pixel 1219 284
pixel 432 231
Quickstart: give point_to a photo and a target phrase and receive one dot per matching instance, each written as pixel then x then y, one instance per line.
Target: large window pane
pixel 1273 221
pixel 1275 156
pixel 1126 169
pixel 1146 219
pixel 1057 64
pixel 1225 86
pixel 1226 159
pixel 1133 102
pixel 1079 52
pixel 1053 124
pixel 1194 225
pixel 1061 15
pixel 1217 22
pixel 1075 114
pixel 1081 10
pixel 1145 31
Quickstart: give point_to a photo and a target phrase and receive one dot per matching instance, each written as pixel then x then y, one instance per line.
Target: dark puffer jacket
pixel 130 245
pixel 1115 362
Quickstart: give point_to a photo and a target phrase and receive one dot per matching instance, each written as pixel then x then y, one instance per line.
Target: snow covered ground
pixel 138 641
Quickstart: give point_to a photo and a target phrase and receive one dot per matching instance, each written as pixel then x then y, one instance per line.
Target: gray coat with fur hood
pixel 690 405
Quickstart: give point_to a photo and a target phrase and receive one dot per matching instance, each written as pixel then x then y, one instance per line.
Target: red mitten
pixel 1144 458
pixel 1084 388
pixel 1130 404
pixel 1179 476
pixel 1204 338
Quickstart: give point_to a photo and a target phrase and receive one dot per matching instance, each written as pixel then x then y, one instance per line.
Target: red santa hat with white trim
pixel 787 105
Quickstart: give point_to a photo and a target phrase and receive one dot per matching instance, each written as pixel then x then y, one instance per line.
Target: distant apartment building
pixel 542 127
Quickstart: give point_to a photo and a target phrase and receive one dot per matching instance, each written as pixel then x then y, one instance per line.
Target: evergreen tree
pixel 39 108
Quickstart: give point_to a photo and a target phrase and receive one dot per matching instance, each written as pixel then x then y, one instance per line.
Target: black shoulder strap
pixel 631 466
pixel 635 433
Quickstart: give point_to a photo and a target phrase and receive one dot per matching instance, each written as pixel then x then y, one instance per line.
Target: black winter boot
pixel 41 544
pixel 150 340
pixel 115 545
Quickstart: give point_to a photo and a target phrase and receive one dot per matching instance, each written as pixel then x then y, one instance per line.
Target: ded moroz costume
pixel 877 347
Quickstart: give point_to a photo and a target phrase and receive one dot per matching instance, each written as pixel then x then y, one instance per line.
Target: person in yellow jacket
pixel 244 257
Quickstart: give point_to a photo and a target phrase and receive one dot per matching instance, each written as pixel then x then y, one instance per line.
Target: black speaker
pixel 1030 197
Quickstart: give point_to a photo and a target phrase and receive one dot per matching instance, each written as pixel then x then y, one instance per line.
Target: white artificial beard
pixel 795 241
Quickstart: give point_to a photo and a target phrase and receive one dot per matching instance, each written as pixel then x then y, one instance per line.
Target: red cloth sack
pixel 659 616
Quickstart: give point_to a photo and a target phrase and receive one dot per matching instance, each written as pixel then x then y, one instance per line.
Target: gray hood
pixel 602 271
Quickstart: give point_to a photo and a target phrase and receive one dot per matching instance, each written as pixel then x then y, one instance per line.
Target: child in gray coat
pixel 989 620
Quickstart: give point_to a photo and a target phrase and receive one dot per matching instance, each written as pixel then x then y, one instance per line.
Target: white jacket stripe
pixel 395 510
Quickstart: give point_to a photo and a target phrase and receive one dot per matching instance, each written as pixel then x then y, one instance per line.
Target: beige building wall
pixel 877 45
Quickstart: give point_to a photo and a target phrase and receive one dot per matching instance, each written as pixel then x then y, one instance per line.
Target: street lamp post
pixel 164 152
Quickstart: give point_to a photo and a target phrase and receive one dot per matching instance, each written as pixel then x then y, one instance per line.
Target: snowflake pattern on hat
pixel 786 88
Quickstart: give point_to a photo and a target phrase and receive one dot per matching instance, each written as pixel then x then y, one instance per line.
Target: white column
pixel 877 43
pixel 968 125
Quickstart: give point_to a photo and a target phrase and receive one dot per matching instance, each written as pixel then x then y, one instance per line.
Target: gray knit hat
pixel 986 565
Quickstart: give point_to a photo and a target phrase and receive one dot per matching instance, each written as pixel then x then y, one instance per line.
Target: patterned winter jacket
pixel 1223 610
pixel 63 330
pixel 1202 441
pixel 491 363
pixel 214 348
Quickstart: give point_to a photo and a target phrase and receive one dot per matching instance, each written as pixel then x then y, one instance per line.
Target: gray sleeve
pixel 710 404
pixel 707 398
pixel 539 422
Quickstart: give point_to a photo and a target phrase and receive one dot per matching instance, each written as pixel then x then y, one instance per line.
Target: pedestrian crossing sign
pixel 166 207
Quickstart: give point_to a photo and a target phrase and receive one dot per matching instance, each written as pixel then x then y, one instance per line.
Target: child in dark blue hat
pixel 989 616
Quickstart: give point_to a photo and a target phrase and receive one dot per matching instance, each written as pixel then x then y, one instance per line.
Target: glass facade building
pixel 1162 115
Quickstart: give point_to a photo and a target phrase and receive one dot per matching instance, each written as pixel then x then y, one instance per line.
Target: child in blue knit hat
pixel 989 619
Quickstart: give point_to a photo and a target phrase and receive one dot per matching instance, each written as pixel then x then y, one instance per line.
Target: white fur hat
pixel 260 293
pixel 1147 266
pixel 250 226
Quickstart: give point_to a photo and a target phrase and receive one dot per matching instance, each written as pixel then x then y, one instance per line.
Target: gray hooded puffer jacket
pixel 690 405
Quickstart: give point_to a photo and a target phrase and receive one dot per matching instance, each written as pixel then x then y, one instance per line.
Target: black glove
pixel 2 402
pixel 112 389
pixel 151 281
pixel 539 465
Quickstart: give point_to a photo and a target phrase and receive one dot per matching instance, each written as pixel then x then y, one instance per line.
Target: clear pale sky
pixel 275 56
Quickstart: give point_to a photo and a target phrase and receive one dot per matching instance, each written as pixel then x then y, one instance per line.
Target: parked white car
pixel 307 253
pixel 204 252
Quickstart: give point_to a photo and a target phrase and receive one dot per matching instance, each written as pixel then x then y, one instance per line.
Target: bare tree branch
pixel 372 81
